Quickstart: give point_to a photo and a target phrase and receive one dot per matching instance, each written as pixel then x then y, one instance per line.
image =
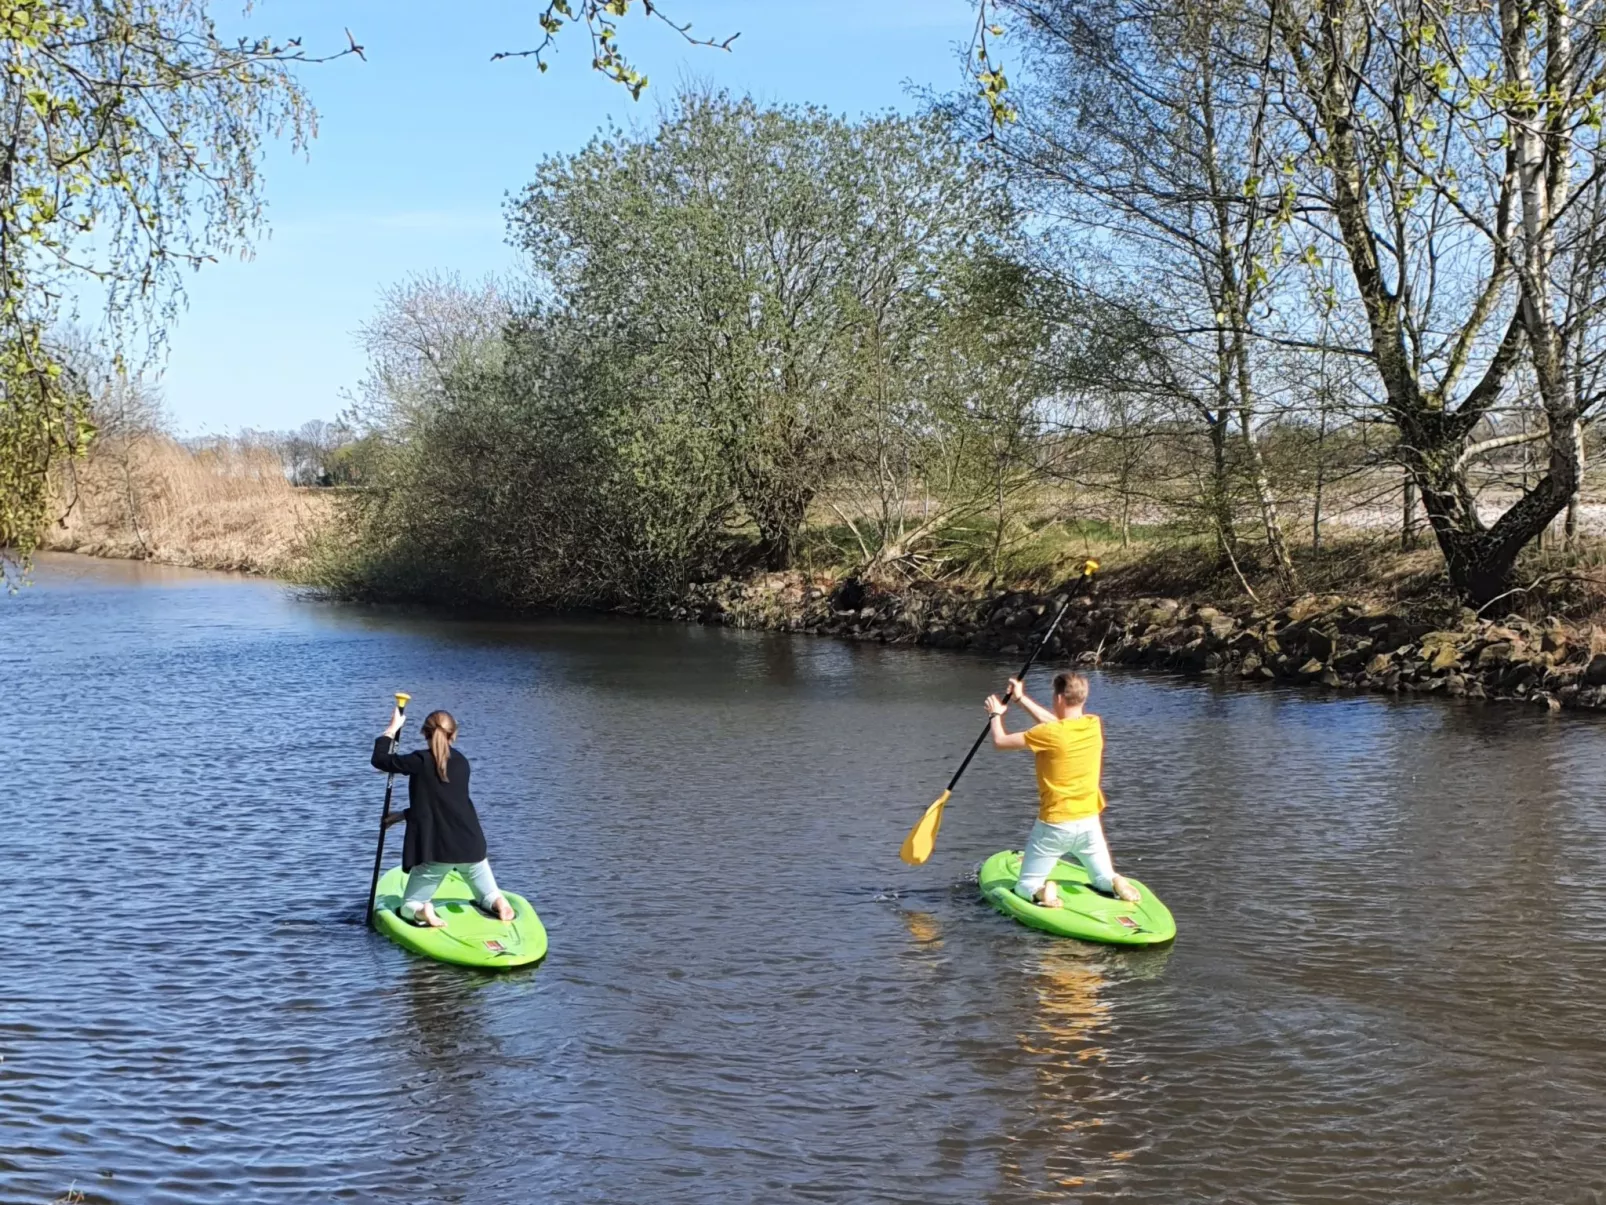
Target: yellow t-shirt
pixel 1070 755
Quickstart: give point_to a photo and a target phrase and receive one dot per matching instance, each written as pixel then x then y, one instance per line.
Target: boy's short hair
pixel 1072 688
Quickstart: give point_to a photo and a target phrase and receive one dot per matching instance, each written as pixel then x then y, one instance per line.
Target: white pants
pixel 1082 839
pixel 423 879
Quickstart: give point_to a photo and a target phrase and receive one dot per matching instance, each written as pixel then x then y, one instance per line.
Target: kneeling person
pixel 1070 753
pixel 443 829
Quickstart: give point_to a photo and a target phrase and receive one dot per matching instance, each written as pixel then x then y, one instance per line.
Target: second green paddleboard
pixel 1087 914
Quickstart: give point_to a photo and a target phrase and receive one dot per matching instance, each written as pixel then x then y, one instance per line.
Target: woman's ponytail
pixel 440 730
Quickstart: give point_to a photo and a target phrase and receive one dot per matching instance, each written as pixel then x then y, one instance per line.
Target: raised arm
pixel 1017 690
pixel 1001 739
pixel 385 756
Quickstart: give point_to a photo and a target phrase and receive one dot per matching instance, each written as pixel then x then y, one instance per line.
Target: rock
pixel 1518 676
pixel 1349 660
pixel 1455 686
pixel 1161 610
pixel 1308 606
pixel 1553 637
pixel 1446 658
pixel 1379 664
pixel 1310 669
pixel 1497 653
pixel 1319 643
pixel 849 595
pixel 1595 673
pixel 1250 667
pixel 1330 679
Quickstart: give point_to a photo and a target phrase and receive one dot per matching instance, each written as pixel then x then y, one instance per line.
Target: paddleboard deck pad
pixel 1087 914
pixel 471 938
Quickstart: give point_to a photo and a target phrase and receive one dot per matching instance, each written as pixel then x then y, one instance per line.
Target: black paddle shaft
pixel 1024 670
pixel 384 822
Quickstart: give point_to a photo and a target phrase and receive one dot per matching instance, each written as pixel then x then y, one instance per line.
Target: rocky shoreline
pixel 1324 641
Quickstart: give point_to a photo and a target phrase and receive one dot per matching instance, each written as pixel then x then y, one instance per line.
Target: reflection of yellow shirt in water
pixel 1070 754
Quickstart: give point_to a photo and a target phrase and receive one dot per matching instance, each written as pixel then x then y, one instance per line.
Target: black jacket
pixel 442 825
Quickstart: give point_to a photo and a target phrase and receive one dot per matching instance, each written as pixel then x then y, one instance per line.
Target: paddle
pixel 402 698
pixel 922 838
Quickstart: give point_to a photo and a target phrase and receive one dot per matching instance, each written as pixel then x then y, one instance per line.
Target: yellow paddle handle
pixel 402 699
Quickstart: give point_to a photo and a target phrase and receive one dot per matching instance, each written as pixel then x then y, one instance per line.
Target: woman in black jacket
pixel 443 830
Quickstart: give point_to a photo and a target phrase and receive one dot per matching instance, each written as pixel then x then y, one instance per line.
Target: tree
pixel 1453 157
pixel 130 140
pixel 600 19
pixel 1139 132
pixel 757 255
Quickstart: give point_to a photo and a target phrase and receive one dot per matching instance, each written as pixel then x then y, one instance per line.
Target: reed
pixel 223 504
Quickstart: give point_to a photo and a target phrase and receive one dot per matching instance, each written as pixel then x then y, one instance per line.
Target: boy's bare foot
pixel 1048 896
pixel 1125 890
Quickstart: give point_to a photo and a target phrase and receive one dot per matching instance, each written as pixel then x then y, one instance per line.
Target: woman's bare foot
pixel 1125 890
pixel 426 915
pixel 1048 896
pixel 503 909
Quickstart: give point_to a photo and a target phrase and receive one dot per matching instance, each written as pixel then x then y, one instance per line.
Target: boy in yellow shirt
pixel 1070 754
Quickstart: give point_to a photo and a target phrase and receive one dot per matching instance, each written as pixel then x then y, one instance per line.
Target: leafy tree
pixel 754 255
pixel 131 135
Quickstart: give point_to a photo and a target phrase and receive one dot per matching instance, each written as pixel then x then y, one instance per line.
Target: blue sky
pixel 418 147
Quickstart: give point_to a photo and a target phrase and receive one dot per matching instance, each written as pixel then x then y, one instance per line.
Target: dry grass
pixel 223 506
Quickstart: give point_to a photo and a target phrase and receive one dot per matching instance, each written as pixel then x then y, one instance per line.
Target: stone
pixel 1319 643
pixel 1455 685
pixel 1330 679
pixel 1308 606
pixel 1446 658
pixel 1250 667
pixel 1379 664
pixel 1595 672
pixel 1310 669
pixel 1497 653
pixel 1349 660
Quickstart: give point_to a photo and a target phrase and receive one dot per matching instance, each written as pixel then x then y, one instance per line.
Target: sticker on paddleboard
pixel 1128 922
pixel 496 947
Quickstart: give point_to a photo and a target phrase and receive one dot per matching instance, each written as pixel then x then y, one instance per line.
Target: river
pixel 1389 983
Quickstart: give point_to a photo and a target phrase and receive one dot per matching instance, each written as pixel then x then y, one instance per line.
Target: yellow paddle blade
pixel 922 838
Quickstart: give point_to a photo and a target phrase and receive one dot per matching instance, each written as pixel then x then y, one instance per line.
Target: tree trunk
pixel 1575 500
pixel 1408 514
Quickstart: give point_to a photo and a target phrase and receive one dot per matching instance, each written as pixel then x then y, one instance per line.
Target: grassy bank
pixel 215 506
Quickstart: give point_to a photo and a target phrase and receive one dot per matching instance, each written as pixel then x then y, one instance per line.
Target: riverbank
pixel 1375 619
pixel 219 506
pixel 1326 641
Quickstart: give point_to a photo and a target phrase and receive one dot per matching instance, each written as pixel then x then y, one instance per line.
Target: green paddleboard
pixel 470 938
pixel 1087 914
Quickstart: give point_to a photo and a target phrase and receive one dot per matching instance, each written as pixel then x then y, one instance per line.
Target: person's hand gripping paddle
pixel 922 838
pixel 402 699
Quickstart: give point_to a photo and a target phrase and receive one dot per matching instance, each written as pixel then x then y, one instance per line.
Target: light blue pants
pixel 423 879
pixel 1081 839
